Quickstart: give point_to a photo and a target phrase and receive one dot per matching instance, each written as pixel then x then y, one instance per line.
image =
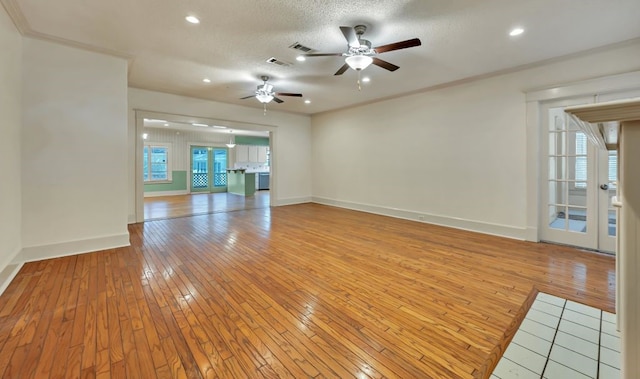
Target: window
pixel 156 166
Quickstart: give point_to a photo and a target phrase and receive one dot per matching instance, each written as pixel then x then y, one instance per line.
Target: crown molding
pixel 20 21
pixel 15 13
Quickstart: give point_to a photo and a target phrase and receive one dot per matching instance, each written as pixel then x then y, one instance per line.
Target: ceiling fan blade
pixel 277 100
pixel 342 69
pixel 398 45
pixel 288 94
pixel 384 64
pixel 350 36
pixel 247 97
pixel 322 55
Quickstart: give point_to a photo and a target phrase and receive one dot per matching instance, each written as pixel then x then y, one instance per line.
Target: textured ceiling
pixel 460 39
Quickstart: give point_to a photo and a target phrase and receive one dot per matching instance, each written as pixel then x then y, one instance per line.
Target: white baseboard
pixel 7 274
pixel 293 201
pixel 165 193
pixel 37 253
pixel 532 234
pixel 131 219
pixel 452 222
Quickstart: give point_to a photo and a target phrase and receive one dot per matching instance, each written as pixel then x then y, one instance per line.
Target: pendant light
pixel 231 144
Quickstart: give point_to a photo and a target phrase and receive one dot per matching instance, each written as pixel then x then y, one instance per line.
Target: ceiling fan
pixel 265 93
pixel 360 54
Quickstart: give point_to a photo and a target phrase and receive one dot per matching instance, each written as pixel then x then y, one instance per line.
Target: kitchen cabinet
pixel 242 153
pixel 253 154
pixel 262 154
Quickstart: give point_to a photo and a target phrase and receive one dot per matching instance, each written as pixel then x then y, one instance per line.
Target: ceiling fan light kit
pixel 360 54
pixel 359 62
pixel 264 97
pixel 265 94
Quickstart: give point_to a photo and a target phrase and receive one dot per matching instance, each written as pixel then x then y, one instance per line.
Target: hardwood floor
pixel 305 291
pixel 163 207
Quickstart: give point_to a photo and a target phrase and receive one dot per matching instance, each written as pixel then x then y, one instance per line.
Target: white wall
pixel 455 156
pixel 74 151
pixel 291 142
pixel 10 121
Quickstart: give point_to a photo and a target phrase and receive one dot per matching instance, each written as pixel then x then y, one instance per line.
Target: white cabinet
pixel 262 154
pixel 242 153
pixel 253 154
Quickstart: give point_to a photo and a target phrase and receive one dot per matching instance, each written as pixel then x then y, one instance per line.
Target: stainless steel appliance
pixel 263 181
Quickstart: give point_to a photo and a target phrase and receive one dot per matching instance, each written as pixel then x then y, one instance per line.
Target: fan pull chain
pixel 359 86
pixel 265 109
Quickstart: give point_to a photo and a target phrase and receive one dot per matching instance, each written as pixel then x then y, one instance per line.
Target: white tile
pixel 610 342
pixel 608 372
pixel 543 318
pixel 584 309
pixel 537 329
pixel 577 344
pixel 551 309
pixel 551 299
pixel 583 332
pixel 557 371
pixel 508 370
pixel 609 317
pixel 610 329
pixel 525 358
pixel 531 342
pixel 582 319
pixel 610 357
pixel 575 361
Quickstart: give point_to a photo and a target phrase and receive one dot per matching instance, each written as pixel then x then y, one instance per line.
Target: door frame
pixel 590 238
pixel 535 99
pixel 136 141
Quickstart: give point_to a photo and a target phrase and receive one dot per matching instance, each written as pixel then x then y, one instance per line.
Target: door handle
pixel 604 186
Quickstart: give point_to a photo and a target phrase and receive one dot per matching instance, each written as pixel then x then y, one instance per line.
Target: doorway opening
pixel 196 157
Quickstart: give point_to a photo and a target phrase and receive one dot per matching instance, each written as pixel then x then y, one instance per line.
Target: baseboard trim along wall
pixel 293 201
pixel 166 193
pixel 452 222
pixel 7 274
pixel 63 249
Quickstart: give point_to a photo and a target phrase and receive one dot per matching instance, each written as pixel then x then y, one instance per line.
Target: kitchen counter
pixel 240 182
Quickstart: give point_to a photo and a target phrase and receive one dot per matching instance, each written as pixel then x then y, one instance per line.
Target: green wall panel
pixel 250 140
pixel 178 183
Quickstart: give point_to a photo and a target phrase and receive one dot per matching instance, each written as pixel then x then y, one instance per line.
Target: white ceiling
pixel 461 39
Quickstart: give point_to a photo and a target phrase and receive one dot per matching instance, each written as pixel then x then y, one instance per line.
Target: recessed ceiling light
pixel 166 124
pixel 206 80
pixel 144 135
pixel 301 58
pixel 202 125
pixel 516 32
pixel 307 101
pixel 192 19
pixel 366 79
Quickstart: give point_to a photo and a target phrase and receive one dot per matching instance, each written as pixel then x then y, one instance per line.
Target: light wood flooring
pixel 163 207
pixel 304 291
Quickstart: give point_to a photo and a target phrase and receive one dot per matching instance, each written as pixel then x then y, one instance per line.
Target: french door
pixel 208 169
pixel 578 183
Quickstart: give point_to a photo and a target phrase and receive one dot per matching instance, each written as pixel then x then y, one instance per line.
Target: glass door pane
pixel 219 170
pixel 200 181
pixel 567 175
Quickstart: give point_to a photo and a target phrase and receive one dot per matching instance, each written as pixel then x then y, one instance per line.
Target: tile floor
pixel 561 339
